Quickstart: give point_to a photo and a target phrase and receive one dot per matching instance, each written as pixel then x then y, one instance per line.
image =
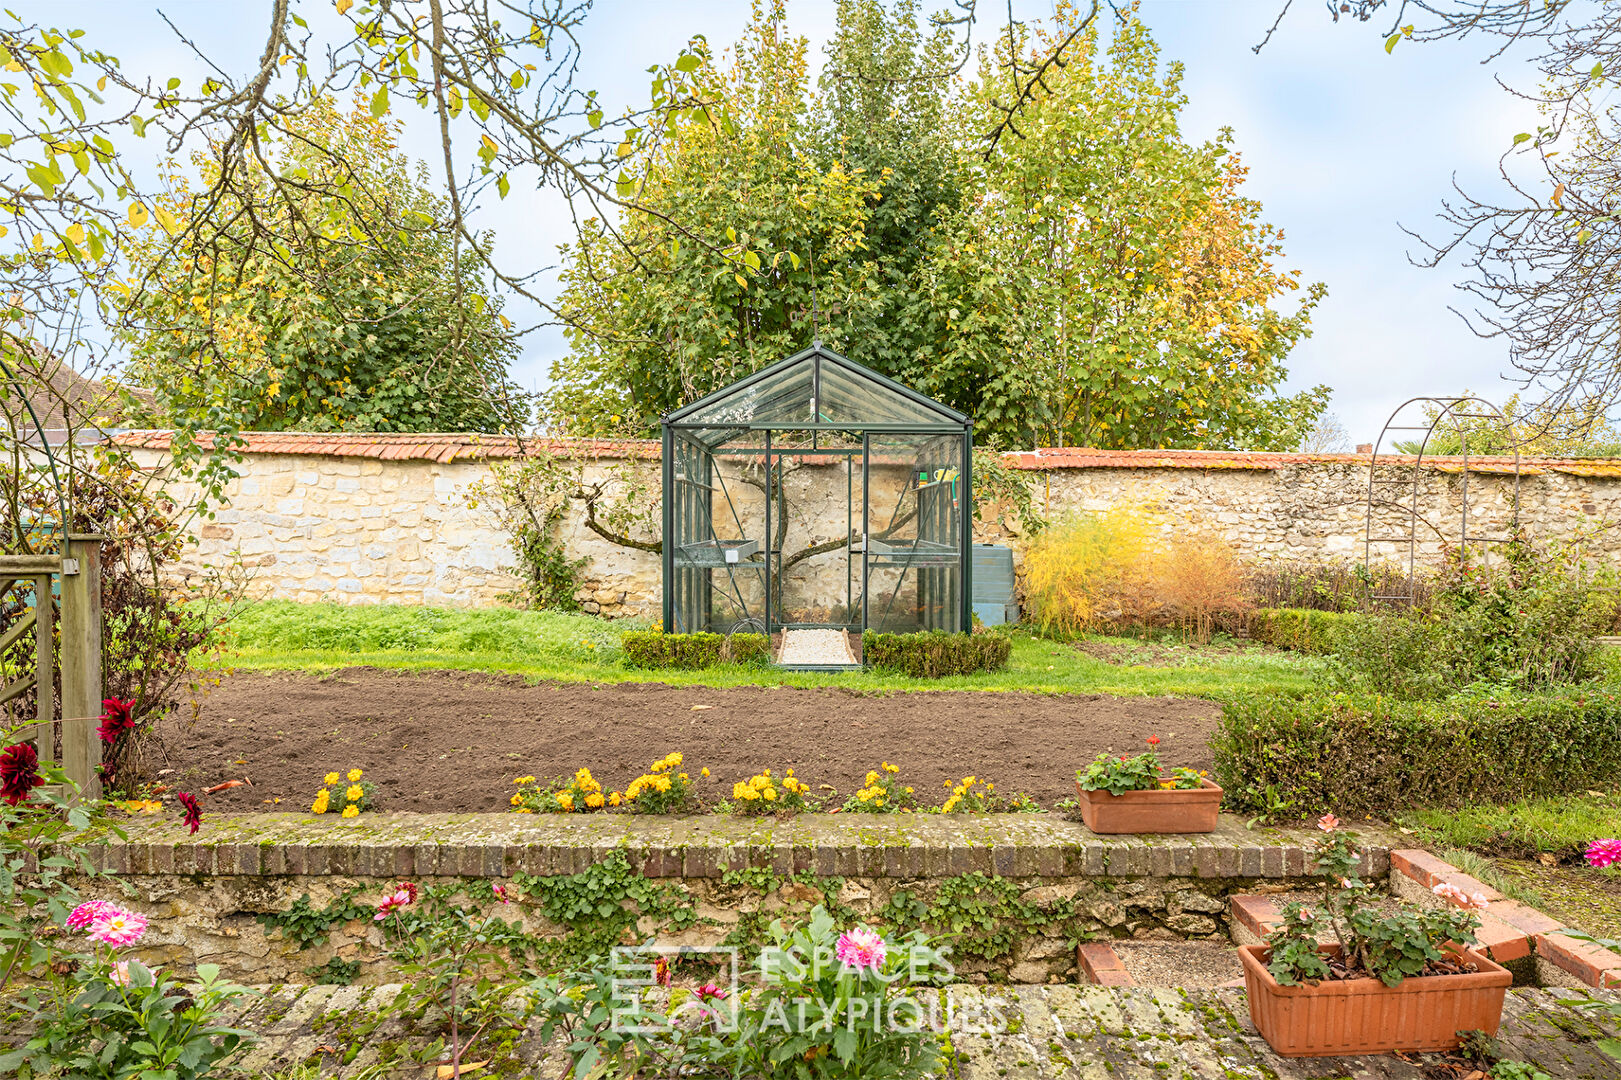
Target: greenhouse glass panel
pixel 811 501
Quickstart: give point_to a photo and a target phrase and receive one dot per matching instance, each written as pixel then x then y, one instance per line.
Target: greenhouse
pixel 816 495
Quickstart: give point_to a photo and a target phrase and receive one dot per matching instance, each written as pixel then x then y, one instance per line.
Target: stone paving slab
pixel 704 846
pixel 1092 1033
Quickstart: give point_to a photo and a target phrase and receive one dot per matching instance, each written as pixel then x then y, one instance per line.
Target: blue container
pixel 994 601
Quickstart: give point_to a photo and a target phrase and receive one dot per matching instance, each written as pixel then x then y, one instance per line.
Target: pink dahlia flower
pixel 88 913
pixel 118 928
pixel 1328 823
pixel 119 975
pixel 1603 853
pixel 394 901
pixel 860 948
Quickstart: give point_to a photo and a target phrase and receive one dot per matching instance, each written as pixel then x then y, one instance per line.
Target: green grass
pixel 549 645
pixel 1559 825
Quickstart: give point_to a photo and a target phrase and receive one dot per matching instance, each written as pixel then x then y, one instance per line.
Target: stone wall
pixel 205 894
pixel 390 519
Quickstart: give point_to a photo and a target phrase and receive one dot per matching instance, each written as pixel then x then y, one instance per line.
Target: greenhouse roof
pixel 814 388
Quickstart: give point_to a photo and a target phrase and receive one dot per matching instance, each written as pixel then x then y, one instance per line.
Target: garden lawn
pixel 1560 826
pixel 1532 851
pixel 280 635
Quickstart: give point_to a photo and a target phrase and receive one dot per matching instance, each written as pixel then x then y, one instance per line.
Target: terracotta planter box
pixel 1191 810
pixel 1364 1016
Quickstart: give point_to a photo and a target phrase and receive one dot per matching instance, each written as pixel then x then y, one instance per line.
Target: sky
pixel 1345 144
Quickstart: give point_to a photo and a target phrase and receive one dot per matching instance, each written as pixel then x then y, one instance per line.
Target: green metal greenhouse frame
pixel 910 455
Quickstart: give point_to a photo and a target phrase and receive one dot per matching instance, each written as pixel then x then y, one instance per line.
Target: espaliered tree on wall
pixel 1092 279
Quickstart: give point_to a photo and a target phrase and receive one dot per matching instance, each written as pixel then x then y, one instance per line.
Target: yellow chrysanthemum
pixel 354 792
pixel 566 801
pixel 320 804
pixel 329 779
pixel 355 775
pixel 524 780
pixel 517 800
pixel 769 794
pixel 615 799
pixel 872 778
pixel 351 811
pixel 594 800
pixel 704 772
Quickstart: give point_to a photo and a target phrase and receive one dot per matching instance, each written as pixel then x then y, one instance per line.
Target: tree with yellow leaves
pixel 1121 288
pixel 353 323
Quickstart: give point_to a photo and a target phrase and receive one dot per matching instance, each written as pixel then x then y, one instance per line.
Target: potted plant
pixel 1136 795
pixel 1390 980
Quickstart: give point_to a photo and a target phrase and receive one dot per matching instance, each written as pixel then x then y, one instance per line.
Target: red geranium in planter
pixel 1136 795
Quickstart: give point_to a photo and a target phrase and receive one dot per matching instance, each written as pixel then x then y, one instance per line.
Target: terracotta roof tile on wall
pixel 433 446
pixel 446 447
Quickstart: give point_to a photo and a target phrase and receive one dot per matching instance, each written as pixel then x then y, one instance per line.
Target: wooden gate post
pixel 81 662
pixel 44 679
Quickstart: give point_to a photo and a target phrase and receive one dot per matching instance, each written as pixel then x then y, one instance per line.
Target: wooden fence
pixel 78 571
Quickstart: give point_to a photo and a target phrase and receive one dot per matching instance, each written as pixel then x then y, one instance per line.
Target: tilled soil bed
pixel 454 741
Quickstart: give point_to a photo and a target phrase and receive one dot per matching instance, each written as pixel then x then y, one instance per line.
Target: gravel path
pixel 815 647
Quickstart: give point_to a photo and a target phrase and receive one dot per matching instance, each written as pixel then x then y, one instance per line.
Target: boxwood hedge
pixel 652 649
pixel 1300 629
pixel 935 653
pixel 1375 755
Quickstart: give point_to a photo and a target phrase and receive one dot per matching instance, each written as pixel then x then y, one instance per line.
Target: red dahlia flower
pixel 19 773
pixel 194 811
pixel 115 719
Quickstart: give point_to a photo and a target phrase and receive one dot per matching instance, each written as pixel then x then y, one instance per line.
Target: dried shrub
pixel 1111 571
pixel 1338 586
pixel 1198 582
pixel 1089 572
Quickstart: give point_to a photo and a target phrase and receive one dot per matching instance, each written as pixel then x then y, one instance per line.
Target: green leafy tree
pixel 1095 280
pixel 1126 285
pixel 881 111
pixel 363 320
pixel 655 320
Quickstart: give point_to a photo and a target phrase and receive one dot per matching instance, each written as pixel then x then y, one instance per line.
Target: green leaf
pixel 503 185
pixel 379 100
pixel 1390 42
pixel 1523 136
pixel 1598 70
pixel 688 62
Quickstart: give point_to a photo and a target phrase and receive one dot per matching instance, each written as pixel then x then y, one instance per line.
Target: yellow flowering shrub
pixel 580 793
pixel 764 793
pixel 882 793
pixel 662 789
pixel 348 799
